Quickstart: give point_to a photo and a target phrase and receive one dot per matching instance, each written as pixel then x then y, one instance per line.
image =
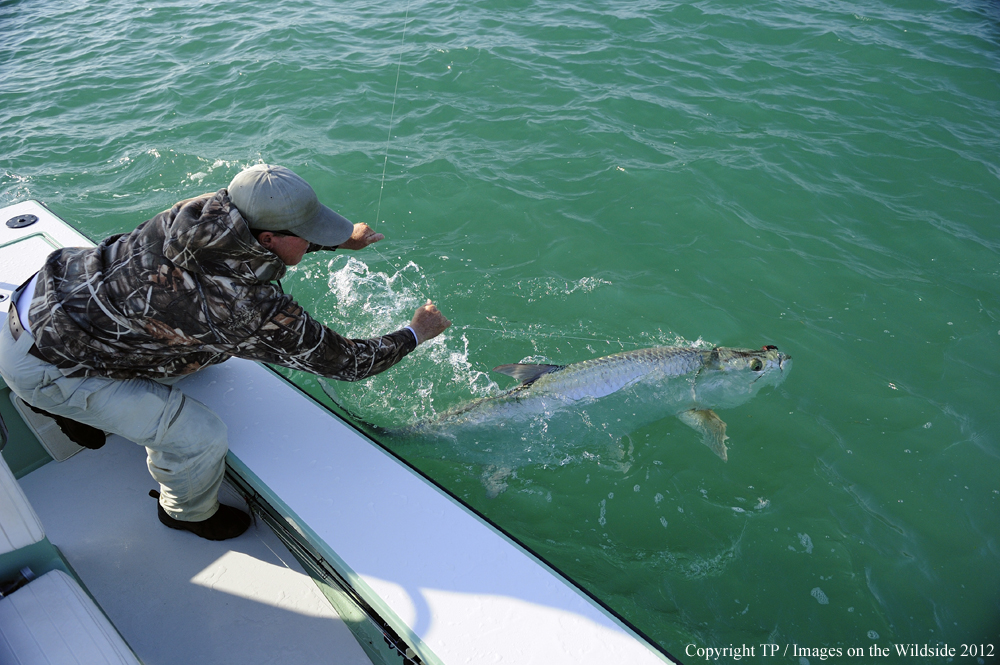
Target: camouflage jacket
pixel 191 287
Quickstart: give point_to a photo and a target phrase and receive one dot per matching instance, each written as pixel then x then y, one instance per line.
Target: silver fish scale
pixel 602 376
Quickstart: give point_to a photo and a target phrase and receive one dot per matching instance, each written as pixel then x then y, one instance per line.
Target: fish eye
pixel 756 364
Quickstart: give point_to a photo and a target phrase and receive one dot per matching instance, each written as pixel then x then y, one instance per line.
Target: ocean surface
pixel 568 180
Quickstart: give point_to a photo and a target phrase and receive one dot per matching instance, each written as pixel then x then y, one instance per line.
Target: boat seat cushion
pixel 19 525
pixel 52 620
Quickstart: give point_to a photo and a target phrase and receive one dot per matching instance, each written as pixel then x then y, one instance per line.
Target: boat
pixel 354 556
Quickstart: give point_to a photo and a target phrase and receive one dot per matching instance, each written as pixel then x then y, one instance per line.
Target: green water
pixel 570 180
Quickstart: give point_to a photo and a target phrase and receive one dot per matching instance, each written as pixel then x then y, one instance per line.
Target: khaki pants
pixel 185 441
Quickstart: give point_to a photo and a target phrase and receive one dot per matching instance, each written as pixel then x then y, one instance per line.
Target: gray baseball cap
pixel 273 198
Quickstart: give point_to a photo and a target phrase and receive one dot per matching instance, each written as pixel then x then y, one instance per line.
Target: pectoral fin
pixel 713 430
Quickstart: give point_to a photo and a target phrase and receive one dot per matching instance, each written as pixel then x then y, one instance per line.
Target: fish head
pixel 767 366
pixel 732 376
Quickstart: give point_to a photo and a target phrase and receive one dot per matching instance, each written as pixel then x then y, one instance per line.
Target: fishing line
pixel 388 139
pixel 392 113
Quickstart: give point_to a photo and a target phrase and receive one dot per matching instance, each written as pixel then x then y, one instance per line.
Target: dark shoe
pixel 78 433
pixel 227 523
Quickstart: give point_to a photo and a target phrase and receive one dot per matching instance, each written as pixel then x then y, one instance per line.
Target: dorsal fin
pixel 526 373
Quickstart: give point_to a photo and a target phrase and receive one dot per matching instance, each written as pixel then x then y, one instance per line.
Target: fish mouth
pixel 783 358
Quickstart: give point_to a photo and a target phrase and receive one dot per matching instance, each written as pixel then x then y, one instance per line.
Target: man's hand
pixel 362 237
pixel 428 322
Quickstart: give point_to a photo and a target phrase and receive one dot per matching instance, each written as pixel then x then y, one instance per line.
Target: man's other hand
pixel 428 322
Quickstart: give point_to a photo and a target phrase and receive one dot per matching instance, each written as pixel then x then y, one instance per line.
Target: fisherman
pixel 98 337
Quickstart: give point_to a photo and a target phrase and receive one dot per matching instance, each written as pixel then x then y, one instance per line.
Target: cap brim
pixel 326 228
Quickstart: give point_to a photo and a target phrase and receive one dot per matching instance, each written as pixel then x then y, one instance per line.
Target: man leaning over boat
pixel 98 336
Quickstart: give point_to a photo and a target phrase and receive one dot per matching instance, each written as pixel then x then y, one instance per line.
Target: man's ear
pixel 265 239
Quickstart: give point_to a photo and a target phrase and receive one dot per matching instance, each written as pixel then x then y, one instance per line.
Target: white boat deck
pixel 174 597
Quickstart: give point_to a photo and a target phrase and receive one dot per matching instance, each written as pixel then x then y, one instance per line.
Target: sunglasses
pixel 312 246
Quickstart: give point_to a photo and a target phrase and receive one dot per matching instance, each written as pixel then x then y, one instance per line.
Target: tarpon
pixel 687 382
